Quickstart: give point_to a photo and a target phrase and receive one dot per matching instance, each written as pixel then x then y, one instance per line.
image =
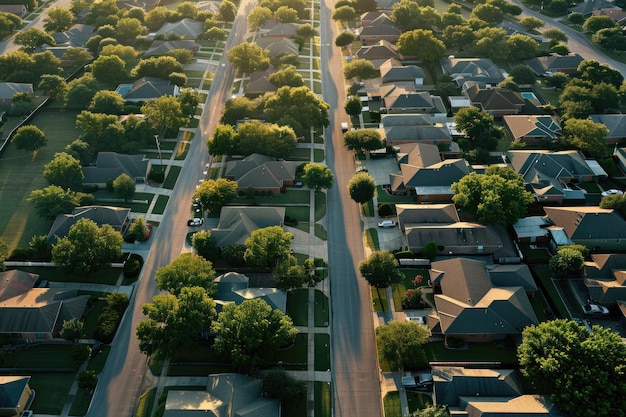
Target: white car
pixel 593 309
pixel 416 319
pixel 387 223
pixel 196 221
pixel 612 191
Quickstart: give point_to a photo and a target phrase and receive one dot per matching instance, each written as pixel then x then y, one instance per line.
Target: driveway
pixel 380 168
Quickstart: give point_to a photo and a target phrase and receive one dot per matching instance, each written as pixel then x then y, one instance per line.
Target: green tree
pixel 363 140
pixel 360 69
pixel 556 355
pixel 400 342
pixel 423 44
pixel 353 106
pixel 80 352
pixel 205 244
pixel 595 23
pixel 107 101
pixel 531 23
pixel 267 245
pixel 80 91
pixel 479 126
pixel 250 332
pixel 488 13
pixel 124 186
pixel 289 274
pixel 29 138
pixel 344 39
pixel 597 73
pixel 164 112
pixel 128 29
pixel 109 69
pixel 175 321
pixel 72 329
pixel 213 194
pixel 344 14
pixel 53 85
pixel 228 11
pixel 58 19
pixel 567 262
pixel 189 100
pixel 307 31
pixel 248 57
pixel 318 176
pixel 258 16
pixel 138 229
pixel 42 249
pixel 87 381
pixel 432 411
pixel 297 107
pixel 430 250
pixel 586 135
pixel 53 200
pixel 286 14
pixel 4 253
pixel 87 247
pixel 215 34
pixel 361 187
pixel 224 141
pixel 268 139
pixel 555 35
pixel 522 74
pixel 523 46
pixel 288 390
pixel 238 108
pixel 65 171
pixel 557 80
pixel 380 269
pixel 491 42
pixel 458 35
pixel 188 270
pixel 497 196
pixel 157 66
pixel 31 38
pixel 287 76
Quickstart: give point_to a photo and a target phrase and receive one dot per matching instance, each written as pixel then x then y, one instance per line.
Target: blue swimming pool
pixel 529 95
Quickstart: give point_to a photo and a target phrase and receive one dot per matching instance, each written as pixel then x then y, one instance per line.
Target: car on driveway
pixel 595 309
pixel 416 319
pixel 612 191
pixel 387 223
pixel 196 221
pixel 419 382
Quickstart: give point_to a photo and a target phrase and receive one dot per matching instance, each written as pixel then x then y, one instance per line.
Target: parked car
pixel 416 319
pixel 612 191
pixel 419 382
pixel 196 221
pixel 595 309
pixel 387 223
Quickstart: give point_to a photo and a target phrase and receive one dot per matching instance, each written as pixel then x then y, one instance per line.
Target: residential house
pixel 28 314
pixel 163 47
pixel 273 28
pixel 615 13
pixel 620 154
pixel 616 123
pixel 547 65
pixel 225 395
pixel 17 9
pixel 591 226
pixel 367 17
pixel 75 37
pixel 381 28
pixel 260 83
pixel 238 222
pixel 423 223
pixel 212 6
pixel 432 183
pixel 110 165
pixel 414 103
pixel 411 129
pixel 146 89
pixel 232 287
pixel 15 395
pixel 262 173
pixel 116 217
pixel 470 307
pixel 552 176
pixel 472 69
pixel 486 392
pixel 392 71
pixel 496 101
pixel 378 53
pixel 532 129
pixel 532 229
pixel 9 89
pixel 458 102
pixel 605 277
pixel 185 29
pixel 278 46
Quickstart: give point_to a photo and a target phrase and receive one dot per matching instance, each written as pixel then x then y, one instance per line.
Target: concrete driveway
pixel 380 168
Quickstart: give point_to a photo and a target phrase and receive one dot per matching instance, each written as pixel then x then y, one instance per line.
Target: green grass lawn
pixel 297 301
pixel 542 272
pixel 379 298
pixel 92 319
pixel 20 174
pixel 590 187
pixel 321 309
pixel 301 214
pixel 391 404
pixel 399 290
pixel 52 390
pixel 320 231
pixel 294 357
pixel 172 176
pixel 368 208
pixel 288 197
pixel 322 352
pixel 418 401
pixel 371 238
pixel 320 205
pixel 144 406
pixel 97 362
pixel 40 356
pixel 318 155
pixel 534 255
pixel 476 352
pixel 161 203
pixel 299 154
pixel 323 398
pixel 106 276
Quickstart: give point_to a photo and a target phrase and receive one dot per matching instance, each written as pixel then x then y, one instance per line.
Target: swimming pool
pixel 529 95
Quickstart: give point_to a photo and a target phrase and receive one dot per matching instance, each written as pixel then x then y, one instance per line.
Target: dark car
pixel 419 382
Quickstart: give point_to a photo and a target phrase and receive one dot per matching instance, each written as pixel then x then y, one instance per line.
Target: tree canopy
pixel 360 69
pixel 479 126
pixel 164 112
pixel 588 136
pixel 53 200
pixel 362 140
pixel 65 171
pixel 29 138
pixel 423 44
pixel 568 261
pixel 267 245
pixel 400 341
pixel 297 107
pixel 248 57
pixel 361 187
pixel 380 269
pixel 188 270
pixel 213 194
pixel 318 176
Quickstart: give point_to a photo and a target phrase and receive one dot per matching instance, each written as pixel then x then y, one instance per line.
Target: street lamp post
pixel 158 145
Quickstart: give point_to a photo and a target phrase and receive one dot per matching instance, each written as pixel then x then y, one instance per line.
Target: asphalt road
pixel 355 375
pixel 126 375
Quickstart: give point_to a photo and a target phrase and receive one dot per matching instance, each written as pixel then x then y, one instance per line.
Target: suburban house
pixel 225 395
pixel 482 70
pixel 620 153
pixel 470 307
pixel 532 129
pixel 486 392
pixel 30 314
pixel 616 123
pixel 605 277
pixel 76 36
pixel 212 6
pixel 184 29
pixel 406 102
pixel 15 395
pixel 273 28
pixel 379 53
pixel 496 101
pixel 458 102
pixel 238 222
pixel 110 165
pixel 232 287
pixel 146 89
pixel 591 226
pixel 262 173
pixel 615 13
pixel 367 17
pixel 163 47
pixel 116 217
pixel 547 65
pixel 380 28
pixel 260 83
pixel 9 89
pixel 532 229
pixel 17 9
pixel 278 46
pixel 552 176
pixel 392 71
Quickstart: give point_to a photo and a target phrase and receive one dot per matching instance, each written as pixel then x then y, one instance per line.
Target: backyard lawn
pixel 52 390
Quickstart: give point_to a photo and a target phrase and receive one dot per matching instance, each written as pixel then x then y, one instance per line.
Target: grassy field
pixel 296 306
pixel 391 404
pixel 20 174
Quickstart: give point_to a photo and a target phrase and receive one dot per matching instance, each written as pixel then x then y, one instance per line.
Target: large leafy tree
pixel 164 112
pixel 353 106
pixel 318 176
pixel 31 38
pixel 287 76
pixel 344 39
pixel 58 19
pixel 361 187
pixel 297 107
pixel 267 245
pixel 497 196
pixel 344 13
pixel 250 332
pixel 224 141
pixel 213 194
pixel 249 57
pixel 109 69
pixel 87 381
pixel 29 138
pixel 53 200
pixel 568 261
pixel 558 356
pixel 479 126
pixel 205 244
pixel 363 140
pixel 87 247
pixel 380 269
pixel 53 85
pixel 268 139
pixel 65 171
pixel 108 102
pixel 400 341
pixel 159 67
pixel 360 69
pixel 258 16
pixel 188 270
pixel 4 253
pixel 128 29
pixel 586 135
pixel 124 186
pixel 422 44
pixel 279 384
pixel 175 321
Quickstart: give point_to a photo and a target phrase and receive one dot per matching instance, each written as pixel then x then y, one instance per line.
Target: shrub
pixel 404 254
pixel 21 254
pixel 385 210
pixel 110 317
pixel 110 187
pixel 131 268
pixel 157 175
pixel 233 254
pixel 413 299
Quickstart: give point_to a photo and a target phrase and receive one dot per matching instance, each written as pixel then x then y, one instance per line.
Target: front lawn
pixel 320 205
pixel 301 214
pixel 371 238
pixel 295 356
pixel 418 401
pixel 323 399
pixel 322 352
pixel 171 178
pixel 52 390
pixel 379 298
pixel 391 404
pixel 40 356
pixel 399 290
pixel 161 203
pixel 321 309
pixel 476 352
pixel 544 278
pixel 297 301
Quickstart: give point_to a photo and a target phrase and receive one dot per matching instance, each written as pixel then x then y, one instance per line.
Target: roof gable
pixel 11 390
